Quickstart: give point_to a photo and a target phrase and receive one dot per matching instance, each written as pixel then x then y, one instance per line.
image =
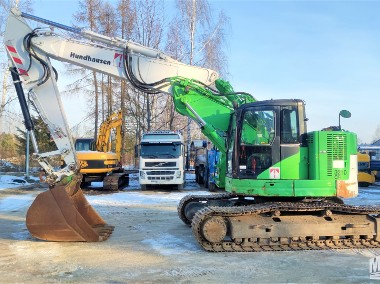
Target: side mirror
pixel 345 114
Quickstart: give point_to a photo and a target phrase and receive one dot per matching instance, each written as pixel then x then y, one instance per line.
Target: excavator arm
pixel 63 213
pixel 30 51
pixel 147 69
pixel 103 143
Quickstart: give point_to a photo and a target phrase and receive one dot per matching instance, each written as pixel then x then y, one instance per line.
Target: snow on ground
pixel 137 197
pixel 15 202
pixel 168 244
pixel 10 181
pixel 131 195
pixel 367 196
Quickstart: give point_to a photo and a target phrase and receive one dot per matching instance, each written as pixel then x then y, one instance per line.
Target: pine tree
pixel 43 137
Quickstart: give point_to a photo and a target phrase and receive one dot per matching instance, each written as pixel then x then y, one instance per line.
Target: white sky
pixel 324 52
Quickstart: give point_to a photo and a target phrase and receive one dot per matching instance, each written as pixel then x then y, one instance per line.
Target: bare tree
pixel 7 5
pixel 148 31
pixel 88 14
pixel 194 39
pixel 126 18
pixel 108 26
pixel 211 53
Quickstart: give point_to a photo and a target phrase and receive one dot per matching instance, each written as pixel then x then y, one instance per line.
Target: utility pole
pixel 27 150
pixel 2 106
pixel 192 39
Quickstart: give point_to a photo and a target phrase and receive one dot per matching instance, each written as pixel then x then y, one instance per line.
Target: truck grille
pixel 160 175
pixel 160 164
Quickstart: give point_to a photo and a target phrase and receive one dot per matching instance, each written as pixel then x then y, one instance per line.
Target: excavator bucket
pixel 62 213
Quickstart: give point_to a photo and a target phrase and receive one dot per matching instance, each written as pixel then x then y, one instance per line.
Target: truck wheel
pixel 212 187
pixel 206 179
pixel 180 186
pixel 201 173
pixel 143 186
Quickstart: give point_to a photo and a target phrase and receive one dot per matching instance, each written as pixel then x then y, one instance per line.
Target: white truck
pixel 161 159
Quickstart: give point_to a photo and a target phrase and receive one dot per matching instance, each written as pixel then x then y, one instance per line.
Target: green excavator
pixel 283 185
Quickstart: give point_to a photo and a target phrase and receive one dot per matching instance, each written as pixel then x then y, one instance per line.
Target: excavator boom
pixel 62 213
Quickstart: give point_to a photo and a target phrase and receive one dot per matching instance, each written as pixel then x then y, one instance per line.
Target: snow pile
pixel 7 181
pixel 6 166
pixel 4 163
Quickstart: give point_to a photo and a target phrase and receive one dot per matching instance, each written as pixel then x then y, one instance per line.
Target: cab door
pixel 258 141
pixel 293 158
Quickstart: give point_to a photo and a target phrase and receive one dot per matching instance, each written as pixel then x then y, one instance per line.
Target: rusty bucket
pixel 62 213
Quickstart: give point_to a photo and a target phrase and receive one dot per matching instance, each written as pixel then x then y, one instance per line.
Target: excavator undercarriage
pixel 227 222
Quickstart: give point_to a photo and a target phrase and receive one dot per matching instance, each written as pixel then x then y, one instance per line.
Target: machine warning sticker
pixel 338 164
pixel 274 173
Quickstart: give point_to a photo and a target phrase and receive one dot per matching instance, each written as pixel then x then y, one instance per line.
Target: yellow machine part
pixel 62 213
pixel 94 162
pixel 366 179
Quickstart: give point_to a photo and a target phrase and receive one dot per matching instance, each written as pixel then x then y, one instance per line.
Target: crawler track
pixel 115 181
pixel 199 199
pixel 284 226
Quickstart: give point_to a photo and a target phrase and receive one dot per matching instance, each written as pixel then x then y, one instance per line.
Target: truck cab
pixel 161 159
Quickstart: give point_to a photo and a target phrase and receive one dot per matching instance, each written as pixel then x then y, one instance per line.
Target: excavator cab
pixel 268 133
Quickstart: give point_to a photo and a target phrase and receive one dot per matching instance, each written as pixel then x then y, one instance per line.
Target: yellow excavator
pixel 366 176
pixel 97 160
pixel 368 165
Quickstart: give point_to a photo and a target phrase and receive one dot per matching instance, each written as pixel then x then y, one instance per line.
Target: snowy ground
pixel 151 245
pixel 10 181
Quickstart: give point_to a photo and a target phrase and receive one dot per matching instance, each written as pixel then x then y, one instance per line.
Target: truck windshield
pixel 160 150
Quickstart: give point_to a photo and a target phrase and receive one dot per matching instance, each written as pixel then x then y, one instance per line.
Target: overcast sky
pixel 324 52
